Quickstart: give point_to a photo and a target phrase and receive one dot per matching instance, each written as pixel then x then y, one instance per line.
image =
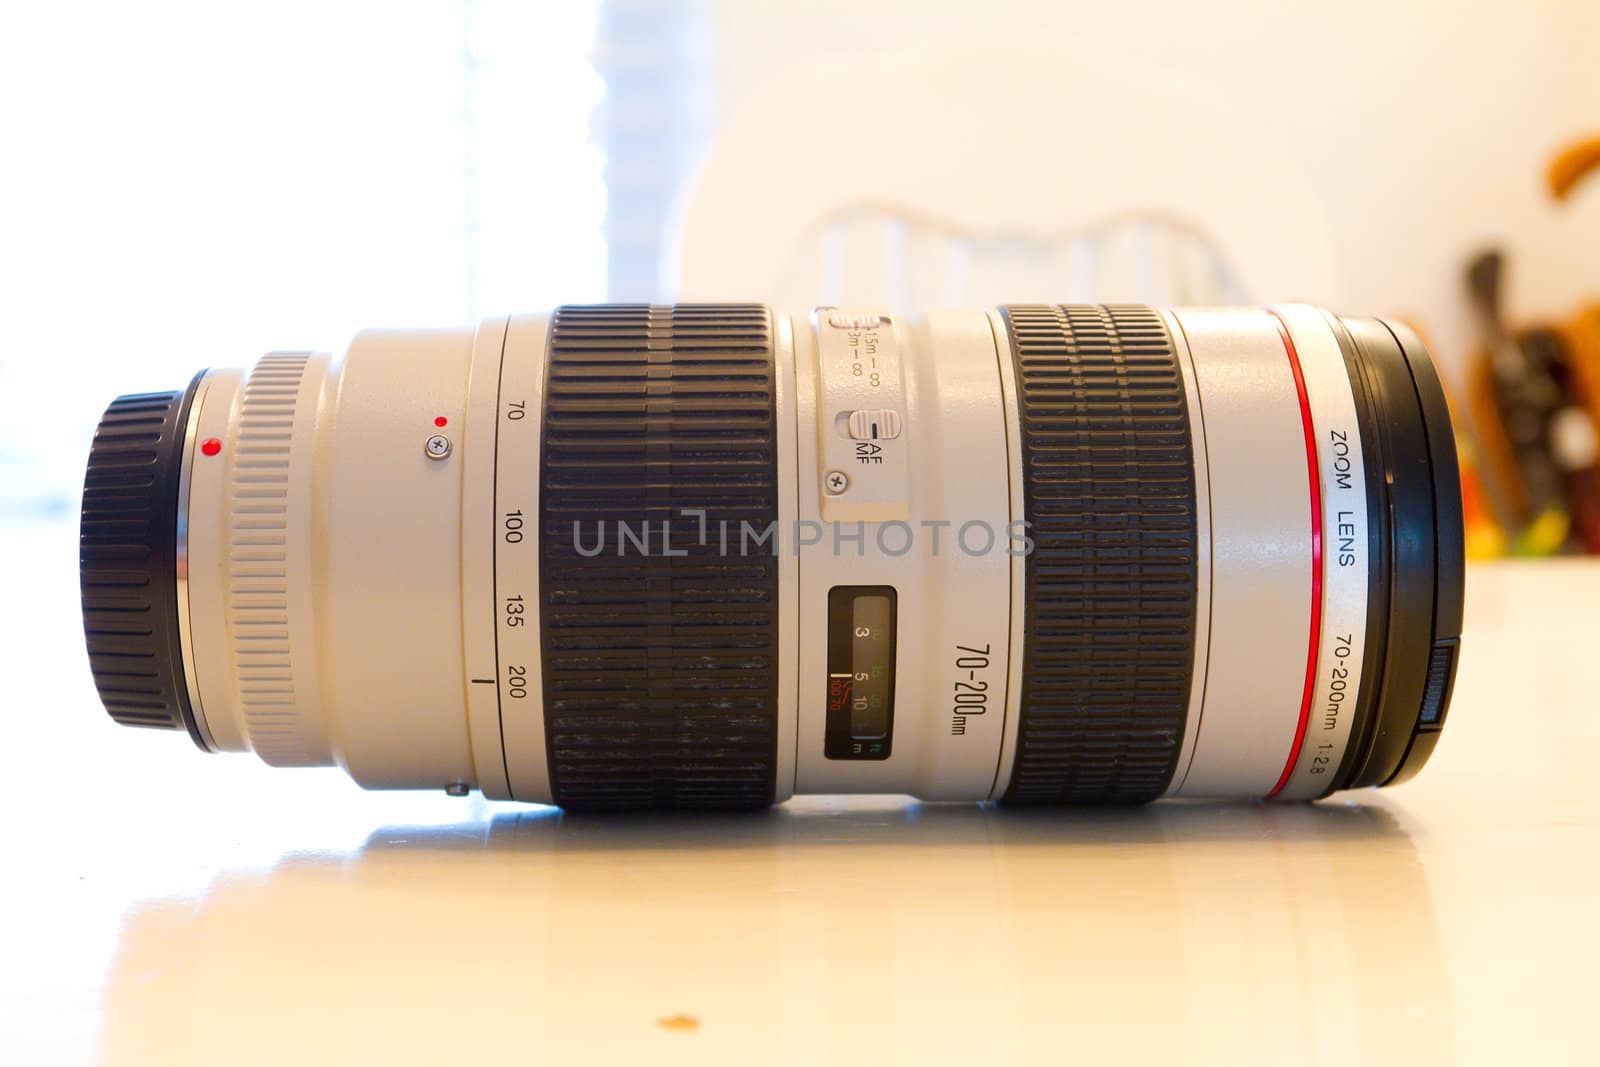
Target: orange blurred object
pixel 1571 165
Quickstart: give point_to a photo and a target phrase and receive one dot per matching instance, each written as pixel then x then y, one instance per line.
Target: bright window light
pixel 191 184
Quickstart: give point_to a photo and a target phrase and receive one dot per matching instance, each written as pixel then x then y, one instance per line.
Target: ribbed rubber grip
pixel 660 661
pixel 1109 495
pixel 127 573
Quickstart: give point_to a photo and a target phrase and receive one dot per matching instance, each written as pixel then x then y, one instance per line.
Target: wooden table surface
pixel 166 907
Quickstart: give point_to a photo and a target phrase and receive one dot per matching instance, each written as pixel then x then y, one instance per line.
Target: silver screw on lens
pixel 437 446
pixel 836 482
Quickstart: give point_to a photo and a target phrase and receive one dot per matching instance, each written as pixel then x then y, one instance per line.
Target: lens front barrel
pixel 629 557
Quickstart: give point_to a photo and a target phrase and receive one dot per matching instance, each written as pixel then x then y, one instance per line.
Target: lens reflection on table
pixel 843 929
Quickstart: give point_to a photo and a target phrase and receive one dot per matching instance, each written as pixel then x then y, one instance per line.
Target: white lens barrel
pixel 1343 558
pixel 941 538
pixel 1261 555
pixel 363 544
pixel 1287 622
pixel 251 577
pixel 501 614
pixel 324 557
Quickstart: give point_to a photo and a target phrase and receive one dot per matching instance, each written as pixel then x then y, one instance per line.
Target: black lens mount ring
pixel 1109 497
pixel 660 662
pixel 127 560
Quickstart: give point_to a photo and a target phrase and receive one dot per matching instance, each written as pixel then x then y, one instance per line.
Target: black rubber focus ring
pixel 661 648
pixel 1109 496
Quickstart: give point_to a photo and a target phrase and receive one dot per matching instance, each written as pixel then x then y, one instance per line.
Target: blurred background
pixel 192 184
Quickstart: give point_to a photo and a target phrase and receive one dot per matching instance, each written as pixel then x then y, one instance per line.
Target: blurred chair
pixel 994 170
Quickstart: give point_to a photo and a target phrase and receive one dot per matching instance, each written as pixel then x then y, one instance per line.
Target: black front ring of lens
pixel 1416 579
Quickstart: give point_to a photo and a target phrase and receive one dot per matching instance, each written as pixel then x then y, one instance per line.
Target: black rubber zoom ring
pixel 661 662
pixel 127 572
pixel 1109 496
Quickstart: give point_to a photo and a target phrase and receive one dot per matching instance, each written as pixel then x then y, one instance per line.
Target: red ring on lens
pixel 1316 554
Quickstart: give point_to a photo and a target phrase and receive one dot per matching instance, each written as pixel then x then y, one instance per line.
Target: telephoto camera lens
pixel 707 556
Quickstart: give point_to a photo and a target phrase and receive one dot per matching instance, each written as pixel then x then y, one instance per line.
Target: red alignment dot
pixel 440 421
pixel 210 446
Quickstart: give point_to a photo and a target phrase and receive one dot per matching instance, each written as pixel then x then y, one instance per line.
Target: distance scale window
pixel 861 654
